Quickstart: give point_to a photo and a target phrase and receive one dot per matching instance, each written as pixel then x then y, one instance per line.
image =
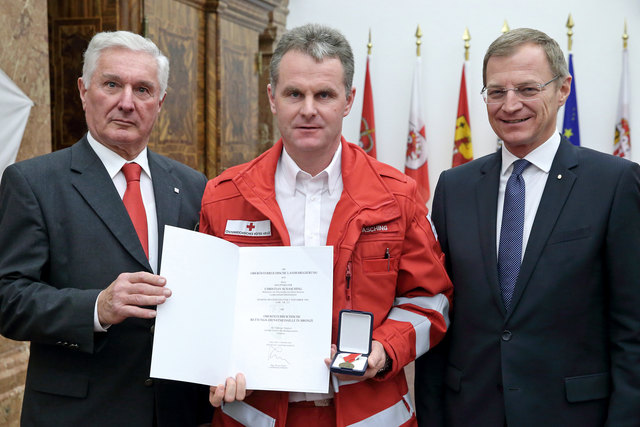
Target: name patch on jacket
pixel 378 228
pixel 238 227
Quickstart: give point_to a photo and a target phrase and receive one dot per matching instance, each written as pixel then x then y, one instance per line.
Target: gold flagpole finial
pixel 466 37
pixel 418 41
pixel 570 31
pixel 369 45
pixel 505 27
pixel 625 36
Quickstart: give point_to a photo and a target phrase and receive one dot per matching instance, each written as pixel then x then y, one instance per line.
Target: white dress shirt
pixel 535 178
pixel 307 204
pixel 113 163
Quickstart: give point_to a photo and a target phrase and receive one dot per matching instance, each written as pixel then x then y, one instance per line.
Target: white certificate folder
pixel 262 311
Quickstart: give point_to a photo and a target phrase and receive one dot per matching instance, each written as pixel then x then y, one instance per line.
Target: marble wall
pixel 24 57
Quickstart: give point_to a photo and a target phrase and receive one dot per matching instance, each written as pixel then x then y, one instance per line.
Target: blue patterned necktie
pixel 510 249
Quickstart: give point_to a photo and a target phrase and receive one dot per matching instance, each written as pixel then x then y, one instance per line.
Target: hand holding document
pixel 262 311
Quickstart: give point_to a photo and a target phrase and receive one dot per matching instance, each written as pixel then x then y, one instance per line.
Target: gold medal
pixel 346 365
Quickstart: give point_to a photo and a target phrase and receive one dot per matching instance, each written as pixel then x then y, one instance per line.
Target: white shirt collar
pixel 541 157
pixel 291 172
pixel 113 162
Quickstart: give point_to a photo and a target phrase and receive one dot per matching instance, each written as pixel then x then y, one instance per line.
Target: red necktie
pixel 133 202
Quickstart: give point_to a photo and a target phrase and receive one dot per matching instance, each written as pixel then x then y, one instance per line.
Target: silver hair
pixel 125 40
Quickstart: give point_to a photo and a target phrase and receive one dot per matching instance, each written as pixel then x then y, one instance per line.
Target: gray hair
pixel 319 42
pixel 125 40
pixel 508 43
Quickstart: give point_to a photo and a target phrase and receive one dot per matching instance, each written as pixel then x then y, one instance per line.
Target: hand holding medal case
pixel 354 342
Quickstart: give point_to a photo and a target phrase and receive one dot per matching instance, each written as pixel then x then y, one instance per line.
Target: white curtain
pixel 15 107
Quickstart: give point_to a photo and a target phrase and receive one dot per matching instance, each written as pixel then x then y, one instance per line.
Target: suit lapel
pixel 94 184
pixel 556 191
pixel 487 202
pixel 166 189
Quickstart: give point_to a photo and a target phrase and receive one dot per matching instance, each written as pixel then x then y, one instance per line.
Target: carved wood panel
pixel 178 29
pixel 69 36
pixel 212 114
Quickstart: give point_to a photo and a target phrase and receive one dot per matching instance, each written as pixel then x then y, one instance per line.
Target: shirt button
pixel 506 335
pixel 148 382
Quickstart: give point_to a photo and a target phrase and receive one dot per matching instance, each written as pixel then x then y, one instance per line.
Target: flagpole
pixel 367 122
pixel 570 123
pixel 505 27
pixel 622 135
pixel 504 30
pixel 462 148
pixel 416 162
pixel 570 25
pixel 466 37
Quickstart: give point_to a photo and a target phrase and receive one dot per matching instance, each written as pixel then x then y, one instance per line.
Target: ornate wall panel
pixel 179 29
pixel 72 23
pixel 238 25
pixel 267 129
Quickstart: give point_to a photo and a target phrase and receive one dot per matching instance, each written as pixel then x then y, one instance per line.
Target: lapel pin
pixel 559 176
pixel 176 190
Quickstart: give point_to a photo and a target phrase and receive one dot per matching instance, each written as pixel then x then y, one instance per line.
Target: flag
pixel 462 148
pixel 367 123
pixel 416 165
pixel 570 124
pixel 15 107
pixel 622 139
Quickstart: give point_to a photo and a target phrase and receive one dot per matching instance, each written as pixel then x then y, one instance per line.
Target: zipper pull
pixel 387 256
pixel 348 280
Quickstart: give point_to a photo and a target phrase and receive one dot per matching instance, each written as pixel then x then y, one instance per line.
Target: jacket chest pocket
pixel 378 254
pixel 375 263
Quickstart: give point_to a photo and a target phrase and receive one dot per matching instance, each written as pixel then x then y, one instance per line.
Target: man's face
pixel 309 102
pixel 123 100
pixel 525 125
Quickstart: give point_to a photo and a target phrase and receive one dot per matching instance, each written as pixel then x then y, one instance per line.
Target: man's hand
pixel 233 389
pixel 376 360
pixel 127 296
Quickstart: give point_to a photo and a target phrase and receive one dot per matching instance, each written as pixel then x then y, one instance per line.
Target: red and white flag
pixel 462 148
pixel 416 165
pixel 367 123
pixel 622 139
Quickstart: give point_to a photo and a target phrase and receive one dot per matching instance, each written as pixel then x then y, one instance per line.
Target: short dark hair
pixel 319 42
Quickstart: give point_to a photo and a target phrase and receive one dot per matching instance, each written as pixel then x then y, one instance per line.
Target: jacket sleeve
pixel 30 308
pixel 622 252
pixel 419 316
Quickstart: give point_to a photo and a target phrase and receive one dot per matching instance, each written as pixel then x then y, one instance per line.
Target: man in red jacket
pixel 314 188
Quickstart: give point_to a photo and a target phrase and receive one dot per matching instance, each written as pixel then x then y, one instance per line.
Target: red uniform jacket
pixel 409 293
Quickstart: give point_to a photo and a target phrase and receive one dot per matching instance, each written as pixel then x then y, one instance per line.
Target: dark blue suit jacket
pixel 64 236
pixel 568 353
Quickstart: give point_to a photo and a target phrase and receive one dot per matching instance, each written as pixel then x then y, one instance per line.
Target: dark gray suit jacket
pixel 64 236
pixel 568 353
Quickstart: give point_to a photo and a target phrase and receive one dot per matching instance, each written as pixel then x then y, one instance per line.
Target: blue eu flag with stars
pixel 570 128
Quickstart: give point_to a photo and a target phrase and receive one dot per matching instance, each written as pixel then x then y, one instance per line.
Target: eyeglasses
pixel 524 92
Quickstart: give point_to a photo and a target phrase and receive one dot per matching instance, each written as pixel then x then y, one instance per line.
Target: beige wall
pixel 24 57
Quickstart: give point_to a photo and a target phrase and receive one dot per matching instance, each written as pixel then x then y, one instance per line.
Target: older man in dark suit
pixel 80 242
pixel 542 244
